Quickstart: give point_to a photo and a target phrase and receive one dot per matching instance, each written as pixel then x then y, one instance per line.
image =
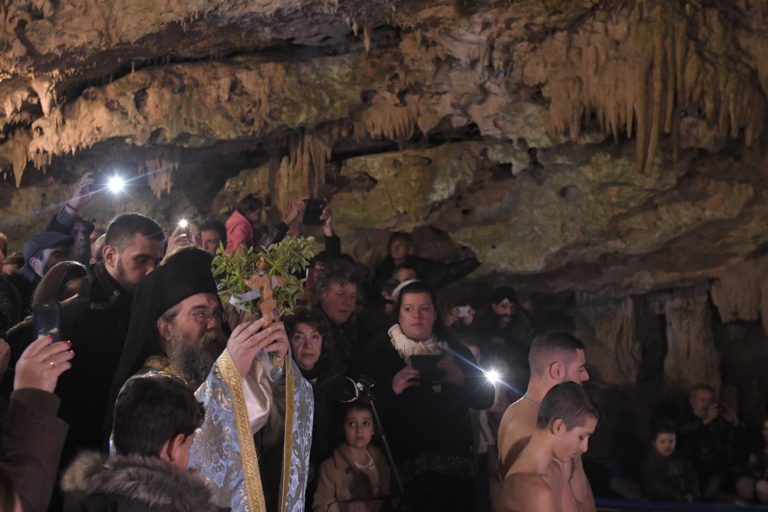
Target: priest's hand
pixel 278 341
pixel 248 338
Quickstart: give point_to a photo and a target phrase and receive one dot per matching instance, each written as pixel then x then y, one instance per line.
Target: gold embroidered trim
pixel 248 459
pixel 163 365
pixel 290 406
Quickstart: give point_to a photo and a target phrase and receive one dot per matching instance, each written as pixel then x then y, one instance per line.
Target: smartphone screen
pixel 46 317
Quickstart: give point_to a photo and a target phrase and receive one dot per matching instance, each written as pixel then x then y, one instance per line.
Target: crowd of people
pixel 152 394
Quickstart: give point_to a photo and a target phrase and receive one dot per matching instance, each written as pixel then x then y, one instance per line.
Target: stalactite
pixel 302 173
pixel 159 171
pixel 387 117
pixel 740 292
pixel 637 68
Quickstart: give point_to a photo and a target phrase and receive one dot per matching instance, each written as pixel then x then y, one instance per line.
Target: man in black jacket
pixel 96 321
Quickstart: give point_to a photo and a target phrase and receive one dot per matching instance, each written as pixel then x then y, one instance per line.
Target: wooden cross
pixel 262 283
pixel 267 305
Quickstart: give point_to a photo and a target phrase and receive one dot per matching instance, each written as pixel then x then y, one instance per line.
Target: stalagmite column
pixel 691 354
pixel 612 345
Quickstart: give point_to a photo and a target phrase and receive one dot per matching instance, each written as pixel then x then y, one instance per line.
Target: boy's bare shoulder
pixel 523 492
pixel 516 427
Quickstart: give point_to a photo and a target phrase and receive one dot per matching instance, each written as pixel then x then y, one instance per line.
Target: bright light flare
pixel 116 184
pixel 493 376
pixel 183 223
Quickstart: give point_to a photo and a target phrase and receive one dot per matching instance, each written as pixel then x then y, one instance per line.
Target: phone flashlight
pixel 116 184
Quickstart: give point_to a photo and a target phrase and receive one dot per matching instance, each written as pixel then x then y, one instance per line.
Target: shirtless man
pixel 565 421
pixel 554 357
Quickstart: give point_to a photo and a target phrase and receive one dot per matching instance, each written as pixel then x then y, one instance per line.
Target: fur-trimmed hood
pixel 147 481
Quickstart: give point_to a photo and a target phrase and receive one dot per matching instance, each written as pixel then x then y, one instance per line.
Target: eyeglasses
pixel 206 316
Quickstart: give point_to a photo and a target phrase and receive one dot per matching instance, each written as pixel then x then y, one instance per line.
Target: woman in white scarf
pixel 424 402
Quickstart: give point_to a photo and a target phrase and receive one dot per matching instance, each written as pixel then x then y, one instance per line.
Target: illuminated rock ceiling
pixel 606 146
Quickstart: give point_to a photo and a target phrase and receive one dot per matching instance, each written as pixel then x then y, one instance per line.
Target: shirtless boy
pixel 554 357
pixel 535 481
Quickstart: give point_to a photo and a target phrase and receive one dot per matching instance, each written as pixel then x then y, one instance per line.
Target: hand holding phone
pixel 313 212
pixel 427 366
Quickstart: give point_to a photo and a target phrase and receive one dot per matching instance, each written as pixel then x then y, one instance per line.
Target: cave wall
pixel 612 152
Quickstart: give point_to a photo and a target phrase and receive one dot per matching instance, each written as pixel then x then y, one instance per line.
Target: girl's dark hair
pixel 151 411
pixel 313 318
pixel 357 405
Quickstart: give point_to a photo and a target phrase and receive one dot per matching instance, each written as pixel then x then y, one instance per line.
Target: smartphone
pixel 465 311
pixel 312 211
pixel 46 318
pixel 427 368
pixel 184 226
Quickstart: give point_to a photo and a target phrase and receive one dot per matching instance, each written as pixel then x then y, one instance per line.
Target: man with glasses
pixel 252 405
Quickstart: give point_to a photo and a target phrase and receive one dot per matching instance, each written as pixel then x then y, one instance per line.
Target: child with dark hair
pixel 356 477
pixel 667 475
pixel 155 420
pixel 535 481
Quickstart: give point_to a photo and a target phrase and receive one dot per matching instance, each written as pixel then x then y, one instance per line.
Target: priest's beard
pixel 193 360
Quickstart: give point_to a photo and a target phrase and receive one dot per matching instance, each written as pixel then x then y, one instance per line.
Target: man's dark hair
pixel 547 346
pixel 662 426
pixel 337 270
pixel 214 225
pixel 151 411
pixel 125 227
pixel 569 402
pixel 249 203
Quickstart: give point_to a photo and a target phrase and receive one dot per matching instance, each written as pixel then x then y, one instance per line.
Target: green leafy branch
pixel 284 259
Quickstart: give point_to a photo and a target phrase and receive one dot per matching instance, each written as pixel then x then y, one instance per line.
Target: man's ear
pixel 171 452
pixel 556 371
pixel 164 329
pixel 36 264
pixel 109 254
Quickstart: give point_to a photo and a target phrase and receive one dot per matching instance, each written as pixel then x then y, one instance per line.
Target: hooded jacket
pixel 132 483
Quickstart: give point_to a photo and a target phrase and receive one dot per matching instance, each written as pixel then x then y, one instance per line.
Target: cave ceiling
pixel 611 146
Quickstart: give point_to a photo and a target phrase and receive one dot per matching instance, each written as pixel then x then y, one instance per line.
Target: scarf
pixel 406 347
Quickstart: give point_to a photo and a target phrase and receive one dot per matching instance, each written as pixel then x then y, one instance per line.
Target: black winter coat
pixel 96 322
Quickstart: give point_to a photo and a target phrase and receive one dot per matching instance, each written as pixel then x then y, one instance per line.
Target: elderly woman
pixel 424 402
pixel 310 340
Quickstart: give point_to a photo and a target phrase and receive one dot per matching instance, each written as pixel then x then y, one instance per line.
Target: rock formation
pixel 609 149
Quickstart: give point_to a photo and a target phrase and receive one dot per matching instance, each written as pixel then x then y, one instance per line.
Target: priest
pixel 254 444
